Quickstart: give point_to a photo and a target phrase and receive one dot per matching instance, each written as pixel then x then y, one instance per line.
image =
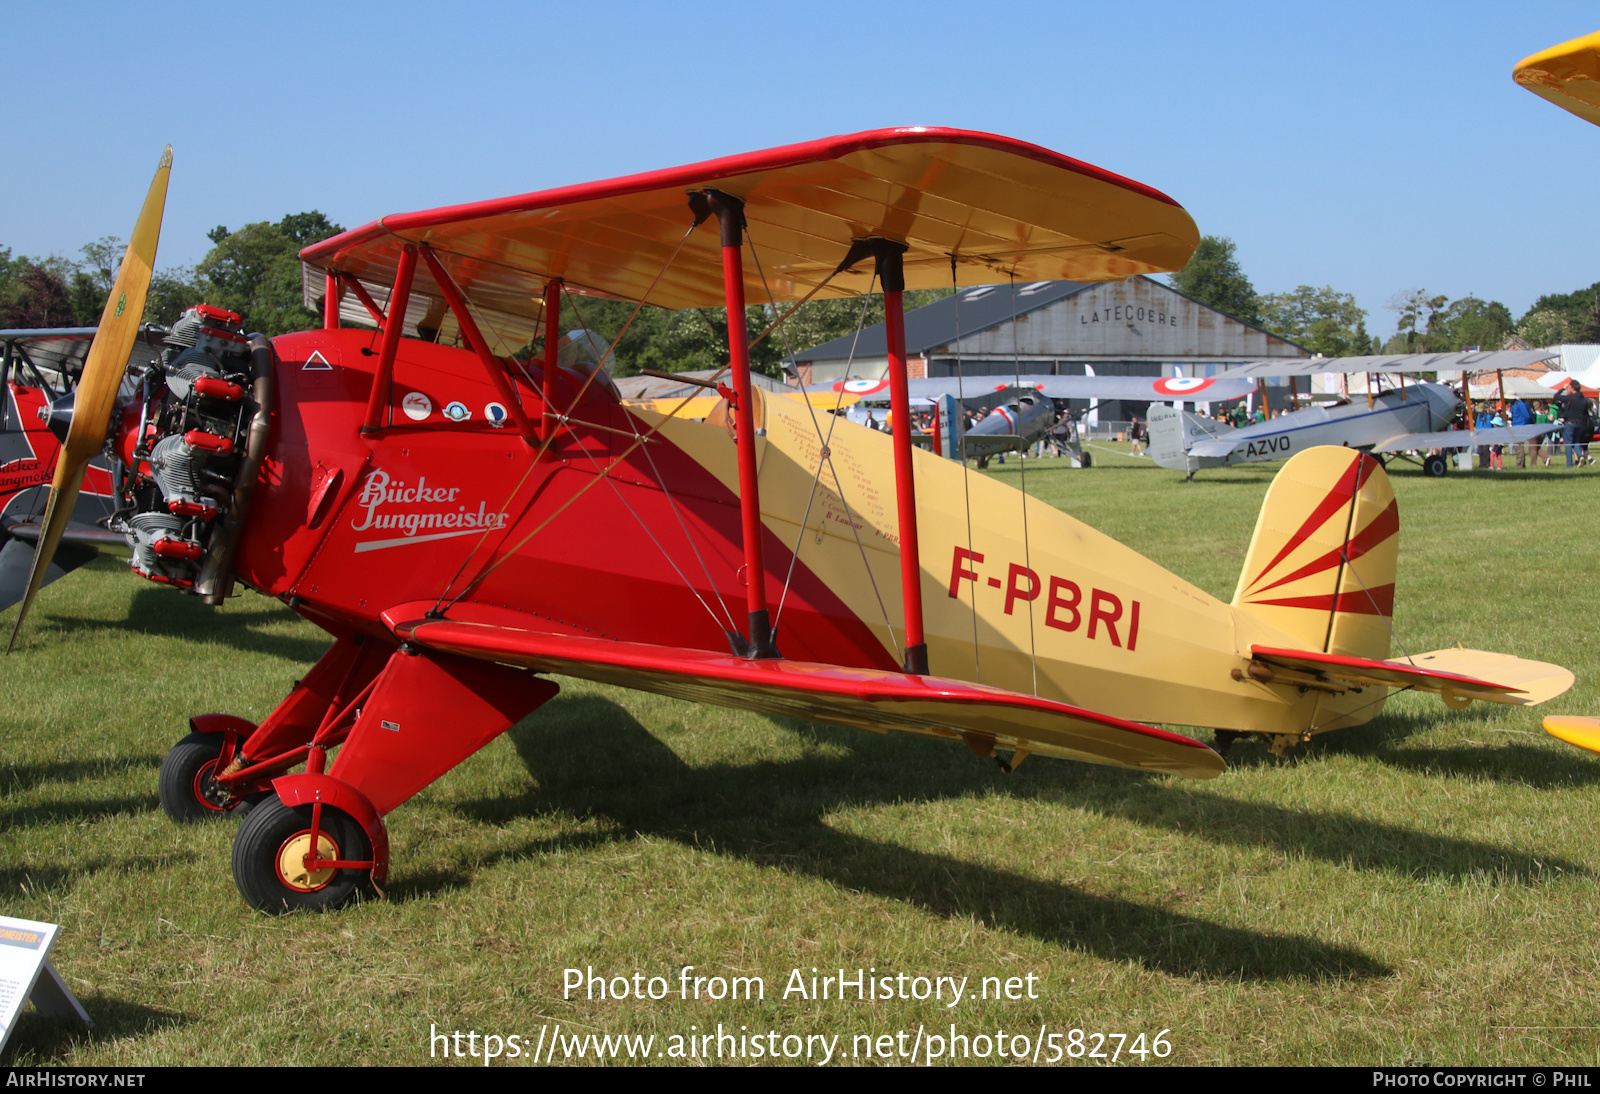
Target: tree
pixel 1474 322
pixel 1321 320
pixel 1416 308
pixel 695 339
pixel 1213 277
pixel 36 296
pixel 255 271
pixel 1432 324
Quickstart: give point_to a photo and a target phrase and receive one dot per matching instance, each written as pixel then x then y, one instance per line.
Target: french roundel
pixel 1183 385
pixel 861 387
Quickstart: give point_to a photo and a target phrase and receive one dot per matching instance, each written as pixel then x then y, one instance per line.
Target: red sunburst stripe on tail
pixel 1378 530
pixel 1338 497
pixel 1378 600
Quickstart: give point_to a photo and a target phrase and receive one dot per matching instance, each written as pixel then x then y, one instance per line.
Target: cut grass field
pixel 1420 889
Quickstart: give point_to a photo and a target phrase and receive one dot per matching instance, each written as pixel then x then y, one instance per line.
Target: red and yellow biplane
pixel 466 524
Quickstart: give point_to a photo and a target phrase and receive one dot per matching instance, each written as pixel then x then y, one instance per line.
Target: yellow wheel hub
pixel 292 861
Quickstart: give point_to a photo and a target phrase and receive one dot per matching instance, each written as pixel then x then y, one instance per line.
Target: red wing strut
pixel 863 698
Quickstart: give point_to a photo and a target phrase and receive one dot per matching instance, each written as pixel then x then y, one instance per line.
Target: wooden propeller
pixel 102 376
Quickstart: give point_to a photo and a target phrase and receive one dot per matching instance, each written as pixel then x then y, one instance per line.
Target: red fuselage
pixel 351 525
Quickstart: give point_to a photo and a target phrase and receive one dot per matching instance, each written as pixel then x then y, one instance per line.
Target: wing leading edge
pixel 981 717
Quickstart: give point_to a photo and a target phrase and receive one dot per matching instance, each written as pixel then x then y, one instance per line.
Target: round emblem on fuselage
pixel 495 414
pixel 457 412
pixel 416 405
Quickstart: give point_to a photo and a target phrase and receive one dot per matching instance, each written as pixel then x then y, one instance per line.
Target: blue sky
pixel 1372 147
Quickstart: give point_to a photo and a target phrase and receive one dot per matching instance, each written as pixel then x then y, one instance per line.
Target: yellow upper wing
pixel 1568 75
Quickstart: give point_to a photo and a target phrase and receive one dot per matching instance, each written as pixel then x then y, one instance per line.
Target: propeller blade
pixel 102 375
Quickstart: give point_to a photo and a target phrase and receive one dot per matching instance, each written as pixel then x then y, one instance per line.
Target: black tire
pixel 185 788
pixel 1435 466
pixel 263 845
pixel 983 462
pixel 1086 460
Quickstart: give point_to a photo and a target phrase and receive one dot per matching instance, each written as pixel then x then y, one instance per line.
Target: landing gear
pixel 273 858
pixel 1225 739
pixel 188 784
pixel 1085 460
pixel 1435 466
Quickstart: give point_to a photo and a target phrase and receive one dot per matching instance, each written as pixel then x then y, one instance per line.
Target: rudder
pixel 1321 564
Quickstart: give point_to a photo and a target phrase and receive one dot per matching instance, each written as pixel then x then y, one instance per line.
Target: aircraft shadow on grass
pixel 155 612
pixel 771 814
pixel 1505 761
pixel 46 877
pixel 17 778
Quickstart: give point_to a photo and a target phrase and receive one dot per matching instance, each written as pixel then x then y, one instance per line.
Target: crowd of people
pixel 1573 411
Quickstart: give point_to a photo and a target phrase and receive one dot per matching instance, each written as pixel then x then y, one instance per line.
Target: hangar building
pixel 1137 327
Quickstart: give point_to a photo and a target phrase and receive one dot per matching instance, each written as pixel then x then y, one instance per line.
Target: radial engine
pixel 192 445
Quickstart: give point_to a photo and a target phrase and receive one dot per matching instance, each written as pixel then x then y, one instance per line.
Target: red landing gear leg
pixel 322 837
pixel 199 777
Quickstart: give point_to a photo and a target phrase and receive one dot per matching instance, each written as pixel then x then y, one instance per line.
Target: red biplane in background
pixel 40 369
pixel 455 517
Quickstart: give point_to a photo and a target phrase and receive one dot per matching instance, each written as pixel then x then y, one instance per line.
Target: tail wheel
pixel 271 858
pixel 1435 466
pixel 187 786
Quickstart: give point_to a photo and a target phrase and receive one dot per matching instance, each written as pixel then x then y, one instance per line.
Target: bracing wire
pixel 966 486
pixel 550 435
pixel 826 455
pixel 1022 462
pixel 672 504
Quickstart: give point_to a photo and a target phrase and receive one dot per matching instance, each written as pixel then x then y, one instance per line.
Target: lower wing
pixel 983 718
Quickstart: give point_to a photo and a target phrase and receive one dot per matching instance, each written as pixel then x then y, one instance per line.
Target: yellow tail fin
pixel 1321 564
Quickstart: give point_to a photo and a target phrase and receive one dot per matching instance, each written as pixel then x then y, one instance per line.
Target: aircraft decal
pixel 1183 385
pixel 1065 609
pixel 1377 531
pixel 377 492
pixel 316 363
pixel 1268 446
pixel 1336 499
pixel 861 387
pixel 416 405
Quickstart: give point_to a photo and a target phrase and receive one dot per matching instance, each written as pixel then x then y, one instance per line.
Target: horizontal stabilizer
pixel 1217 447
pixel 982 717
pixel 1574 729
pixel 1456 674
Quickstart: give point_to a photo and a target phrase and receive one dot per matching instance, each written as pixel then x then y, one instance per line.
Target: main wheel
pixel 1435 467
pixel 1086 460
pixel 188 782
pixel 269 858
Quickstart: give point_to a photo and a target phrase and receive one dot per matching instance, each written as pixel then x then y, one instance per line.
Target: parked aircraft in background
pixel 1398 419
pixel 40 368
pixel 1016 423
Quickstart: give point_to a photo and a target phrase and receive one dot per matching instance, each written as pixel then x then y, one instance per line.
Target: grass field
pixel 1421 889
